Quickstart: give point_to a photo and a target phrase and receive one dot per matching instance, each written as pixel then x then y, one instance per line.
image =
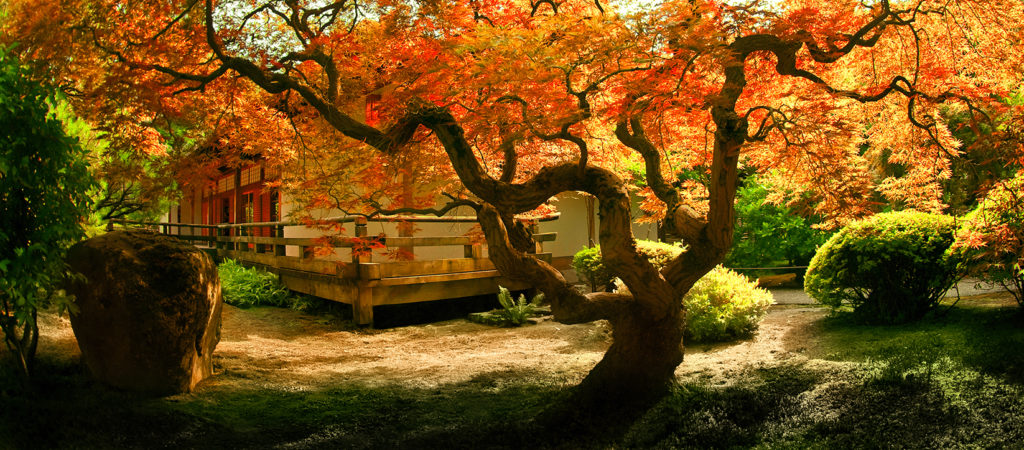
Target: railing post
pixel 240 244
pixel 361 233
pixel 217 232
pixel 279 249
pixel 258 233
pixel 265 248
pixel 405 229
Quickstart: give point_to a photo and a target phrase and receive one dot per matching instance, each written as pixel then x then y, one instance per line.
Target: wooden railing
pixel 360 281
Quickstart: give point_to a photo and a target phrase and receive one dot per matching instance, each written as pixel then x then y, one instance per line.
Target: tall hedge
pixel 767 234
pixel 891 267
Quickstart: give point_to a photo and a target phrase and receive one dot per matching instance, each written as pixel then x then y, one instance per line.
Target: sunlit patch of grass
pixel 983 334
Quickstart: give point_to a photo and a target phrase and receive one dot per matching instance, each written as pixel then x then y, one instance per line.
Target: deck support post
pixel 368 275
pixel 367 272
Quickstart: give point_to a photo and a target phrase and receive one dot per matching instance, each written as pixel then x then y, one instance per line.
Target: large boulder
pixel 148 311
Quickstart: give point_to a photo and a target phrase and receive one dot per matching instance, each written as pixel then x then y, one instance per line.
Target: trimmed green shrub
pixel 990 241
pixel 245 287
pixel 588 266
pixel 659 253
pixel 891 267
pixel 724 305
pixel 588 263
pixel 721 306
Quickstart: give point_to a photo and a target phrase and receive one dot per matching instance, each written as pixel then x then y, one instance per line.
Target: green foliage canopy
pixel 767 234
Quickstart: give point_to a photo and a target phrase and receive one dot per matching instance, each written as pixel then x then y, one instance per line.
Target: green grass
pixel 983 335
pixel 945 382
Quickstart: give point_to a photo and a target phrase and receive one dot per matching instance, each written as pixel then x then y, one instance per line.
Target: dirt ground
pixel 267 347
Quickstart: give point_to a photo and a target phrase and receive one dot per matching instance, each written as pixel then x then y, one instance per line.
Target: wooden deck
pixel 359 281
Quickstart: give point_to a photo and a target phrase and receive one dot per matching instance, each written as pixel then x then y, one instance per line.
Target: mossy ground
pixel 952 380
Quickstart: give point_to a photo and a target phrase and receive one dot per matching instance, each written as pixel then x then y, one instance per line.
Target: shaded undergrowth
pixel 949 381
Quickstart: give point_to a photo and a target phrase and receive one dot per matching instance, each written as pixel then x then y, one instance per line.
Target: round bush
pixel 588 266
pixel 891 267
pixel 724 305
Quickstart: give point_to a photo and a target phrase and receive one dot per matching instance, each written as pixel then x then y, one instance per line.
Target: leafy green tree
pixel 44 179
pixel 767 233
pixel 130 184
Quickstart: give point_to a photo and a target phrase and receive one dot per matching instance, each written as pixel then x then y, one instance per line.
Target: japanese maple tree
pixel 505 104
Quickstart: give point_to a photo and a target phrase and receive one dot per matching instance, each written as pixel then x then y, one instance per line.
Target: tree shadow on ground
pixel 788 405
pixel 65 409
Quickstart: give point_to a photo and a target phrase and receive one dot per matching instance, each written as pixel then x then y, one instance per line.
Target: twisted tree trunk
pixel 641 362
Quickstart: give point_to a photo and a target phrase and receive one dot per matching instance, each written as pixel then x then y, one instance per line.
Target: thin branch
pixel 439 212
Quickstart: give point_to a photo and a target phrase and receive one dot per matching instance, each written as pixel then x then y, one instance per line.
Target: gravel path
pixel 967 288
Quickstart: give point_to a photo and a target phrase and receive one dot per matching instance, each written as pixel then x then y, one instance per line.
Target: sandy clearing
pixel 278 348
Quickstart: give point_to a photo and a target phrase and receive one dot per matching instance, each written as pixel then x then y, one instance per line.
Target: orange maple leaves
pixel 519 76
